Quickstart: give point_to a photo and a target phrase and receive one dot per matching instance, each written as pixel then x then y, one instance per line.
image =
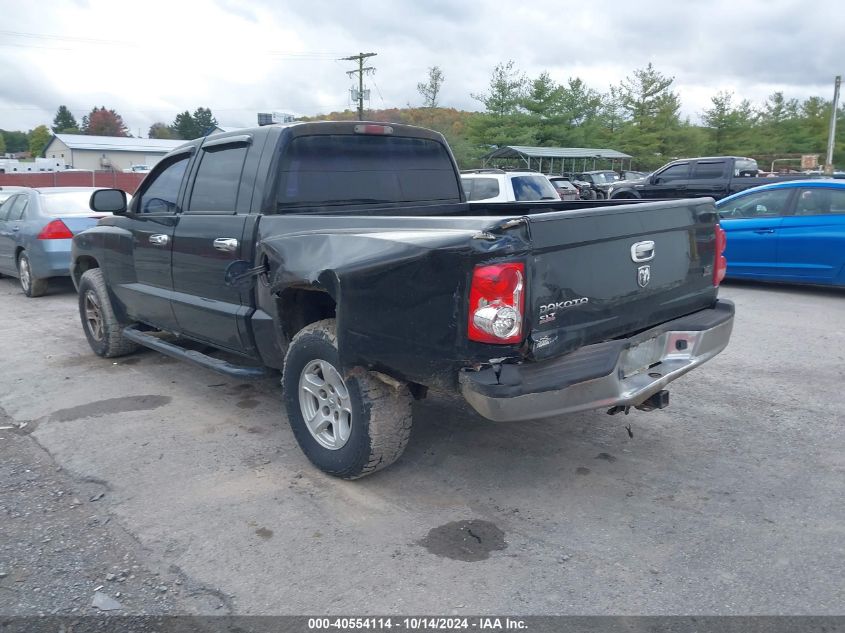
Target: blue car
pixel 791 231
pixel 36 228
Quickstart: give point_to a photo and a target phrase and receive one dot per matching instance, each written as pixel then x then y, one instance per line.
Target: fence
pixel 111 179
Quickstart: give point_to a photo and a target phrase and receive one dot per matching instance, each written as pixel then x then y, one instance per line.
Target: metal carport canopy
pixel 527 153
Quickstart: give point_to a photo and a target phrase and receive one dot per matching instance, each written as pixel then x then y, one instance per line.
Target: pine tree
pixel 64 122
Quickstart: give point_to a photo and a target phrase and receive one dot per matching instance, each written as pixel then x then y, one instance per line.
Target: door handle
pixel 226 244
pixel 160 239
pixel 764 231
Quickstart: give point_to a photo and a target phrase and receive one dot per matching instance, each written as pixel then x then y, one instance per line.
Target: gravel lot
pixel 190 490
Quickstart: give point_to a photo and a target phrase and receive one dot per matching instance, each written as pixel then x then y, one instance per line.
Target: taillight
pixel 496 300
pixel 720 264
pixel 56 230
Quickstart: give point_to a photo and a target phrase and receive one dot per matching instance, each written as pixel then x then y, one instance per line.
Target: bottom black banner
pixel 493 624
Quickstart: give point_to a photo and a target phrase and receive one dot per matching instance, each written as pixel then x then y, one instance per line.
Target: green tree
pixel 204 121
pixel 430 89
pixel 103 122
pixel 64 122
pixel 161 130
pixel 16 141
pixel 185 126
pixel 728 126
pixel 39 138
pixel 652 111
pixel 2 145
pixel 506 91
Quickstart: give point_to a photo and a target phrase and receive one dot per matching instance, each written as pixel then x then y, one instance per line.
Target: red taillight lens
pixel 56 230
pixel 720 264
pixel 496 301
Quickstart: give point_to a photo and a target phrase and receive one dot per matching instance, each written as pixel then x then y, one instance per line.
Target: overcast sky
pixel 150 59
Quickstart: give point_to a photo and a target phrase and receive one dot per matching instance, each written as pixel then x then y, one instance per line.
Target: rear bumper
pixel 50 258
pixel 601 375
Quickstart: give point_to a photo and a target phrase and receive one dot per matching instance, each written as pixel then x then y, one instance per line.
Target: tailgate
pixel 604 273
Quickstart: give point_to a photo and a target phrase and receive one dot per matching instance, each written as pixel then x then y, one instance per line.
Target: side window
pixel 820 201
pixel 484 189
pixel 764 204
pixel 837 201
pixel 216 184
pixel 6 207
pixel 708 170
pixel 18 208
pixel 466 184
pixel 675 172
pixel 159 197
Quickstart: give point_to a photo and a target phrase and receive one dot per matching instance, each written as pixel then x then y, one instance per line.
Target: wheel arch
pixel 81 265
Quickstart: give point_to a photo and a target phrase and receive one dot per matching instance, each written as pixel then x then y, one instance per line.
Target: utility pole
pixel 831 137
pixel 360 71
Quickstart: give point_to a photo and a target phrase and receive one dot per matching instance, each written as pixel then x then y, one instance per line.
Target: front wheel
pixel 348 424
pixel 32 286
pixel 102 328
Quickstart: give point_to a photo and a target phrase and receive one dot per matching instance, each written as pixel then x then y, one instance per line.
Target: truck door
pixel 139 266
pixel 668 183
pixel 209 240
pixel 708 178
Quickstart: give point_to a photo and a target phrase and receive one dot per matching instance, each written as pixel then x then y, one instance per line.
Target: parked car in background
pixel 138 169
pixel 714 177
pixel 791 231
pixel 599 180
pixel 499 185
pixel 6 192
pixel 565 189
pixel 36 227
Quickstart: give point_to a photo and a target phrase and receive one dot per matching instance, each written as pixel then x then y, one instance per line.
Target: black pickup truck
pixel 345 255
pixel 715 177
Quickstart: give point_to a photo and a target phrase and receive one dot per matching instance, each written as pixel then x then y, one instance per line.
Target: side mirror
pixel 653 180
pixel 109 201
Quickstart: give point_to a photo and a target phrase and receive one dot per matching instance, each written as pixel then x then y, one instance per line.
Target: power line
pixel 360 71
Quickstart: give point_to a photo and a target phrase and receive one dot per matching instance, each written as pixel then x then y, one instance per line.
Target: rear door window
pixel 337 170
pixel 820 201
pixel 484 188
pixel 708 170
pixel 18 208
pixel 6 207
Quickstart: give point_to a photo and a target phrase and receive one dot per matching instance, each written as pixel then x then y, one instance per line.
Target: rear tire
pixel 31 286
pixel 358 424
pixel 102 328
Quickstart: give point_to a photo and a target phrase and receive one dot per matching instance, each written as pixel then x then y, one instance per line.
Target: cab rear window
pixel 365 169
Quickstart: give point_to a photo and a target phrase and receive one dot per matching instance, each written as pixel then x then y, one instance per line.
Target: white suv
pixel 498 185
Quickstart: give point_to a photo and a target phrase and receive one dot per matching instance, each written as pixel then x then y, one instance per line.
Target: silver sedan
pixel 36 228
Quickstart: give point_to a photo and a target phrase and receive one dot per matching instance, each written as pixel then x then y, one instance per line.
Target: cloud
pixel 242 57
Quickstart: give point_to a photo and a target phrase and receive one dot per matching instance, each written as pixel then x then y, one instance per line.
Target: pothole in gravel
pixel 468 541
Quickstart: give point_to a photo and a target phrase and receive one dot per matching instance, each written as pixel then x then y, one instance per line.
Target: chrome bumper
pixel 622 372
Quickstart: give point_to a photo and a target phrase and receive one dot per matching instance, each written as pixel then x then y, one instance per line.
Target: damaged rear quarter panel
pixel 399 283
